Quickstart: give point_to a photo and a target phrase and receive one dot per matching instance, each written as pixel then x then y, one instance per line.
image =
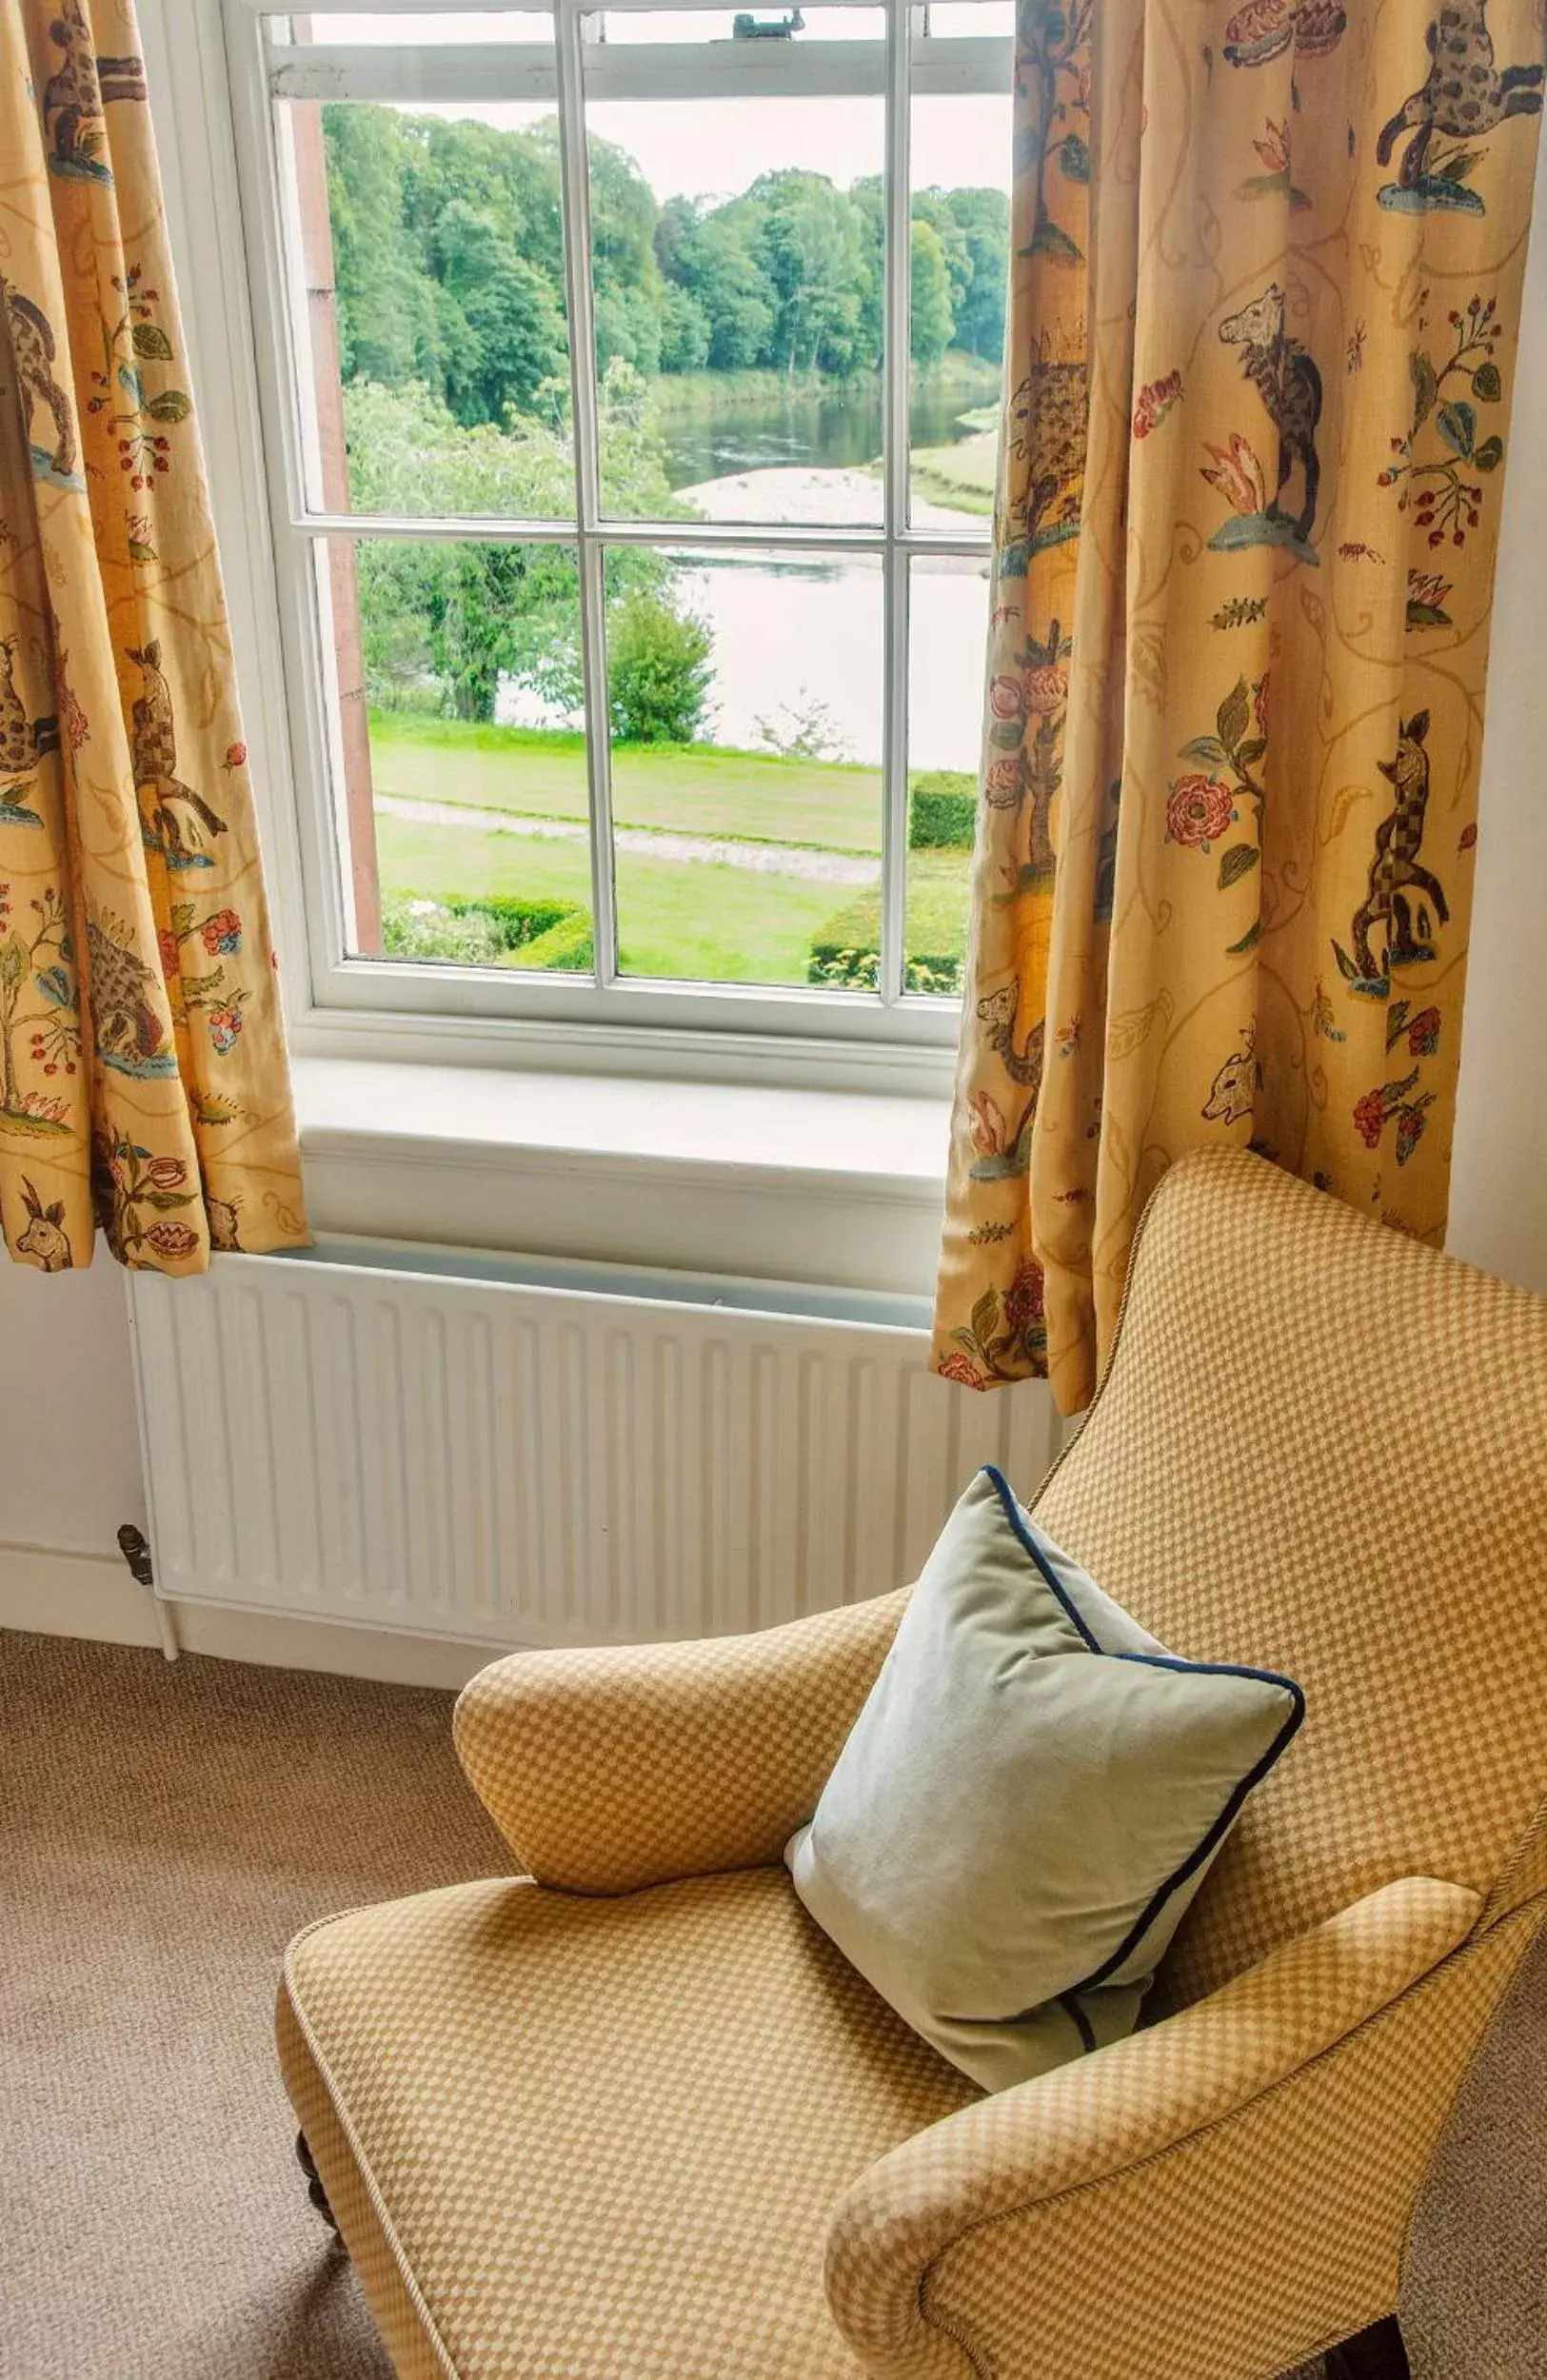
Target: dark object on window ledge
pixel 1375 2355
pixel 314 2181
pixel 747 28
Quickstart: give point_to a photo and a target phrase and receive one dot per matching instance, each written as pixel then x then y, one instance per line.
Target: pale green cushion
pixel 1029 1801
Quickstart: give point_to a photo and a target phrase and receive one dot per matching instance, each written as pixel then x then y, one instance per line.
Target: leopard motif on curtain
pixel 1266 280
pixel 143 1075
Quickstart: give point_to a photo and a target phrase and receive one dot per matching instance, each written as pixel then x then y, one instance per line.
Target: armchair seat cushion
pixel 498 2078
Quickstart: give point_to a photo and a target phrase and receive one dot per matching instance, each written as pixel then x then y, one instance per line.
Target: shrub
pixel 413 928
pixel 803 730
pixel 846 951
pixel 658 671
pixel 943 810
pixel 485 929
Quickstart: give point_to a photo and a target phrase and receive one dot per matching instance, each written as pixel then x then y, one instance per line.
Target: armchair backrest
pixel 1322 1447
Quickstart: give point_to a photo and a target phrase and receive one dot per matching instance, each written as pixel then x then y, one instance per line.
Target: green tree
pixel 515 334
pixel 449 264
pixel 624 275
pixel 660 670
pixel 811 242
pixel 684 330
pixel 676 216
pixel 512 177
pixel 934 208
pixel 930 318
pixel 387 321
pixel 442 620
pixel 983 216
pixel 869 200
pixel 714 258
pixel 629 328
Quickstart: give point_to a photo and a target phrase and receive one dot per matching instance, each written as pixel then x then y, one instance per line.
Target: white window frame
pixel 799 1034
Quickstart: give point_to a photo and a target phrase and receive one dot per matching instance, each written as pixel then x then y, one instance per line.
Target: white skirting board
pixel 502 1451
pixel 46 1592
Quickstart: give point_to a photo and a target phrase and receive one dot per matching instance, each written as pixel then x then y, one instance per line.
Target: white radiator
pixel 525 1452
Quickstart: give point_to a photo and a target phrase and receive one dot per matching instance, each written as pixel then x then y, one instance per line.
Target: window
pixel 630 384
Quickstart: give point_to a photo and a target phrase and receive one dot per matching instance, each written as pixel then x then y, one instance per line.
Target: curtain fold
pixel 1264 303
pixel 142 1074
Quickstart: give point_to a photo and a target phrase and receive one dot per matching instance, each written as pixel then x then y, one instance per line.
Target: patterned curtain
pixel 1267 272
pixel 143 1077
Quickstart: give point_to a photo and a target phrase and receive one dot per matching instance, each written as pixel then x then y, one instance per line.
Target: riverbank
pixel 961 476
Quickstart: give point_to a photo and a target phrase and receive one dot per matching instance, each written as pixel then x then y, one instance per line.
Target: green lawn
pixel 701 789
pixel 707 924
pixel 676 917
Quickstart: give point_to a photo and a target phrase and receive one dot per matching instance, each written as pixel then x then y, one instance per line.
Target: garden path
pixel 766 859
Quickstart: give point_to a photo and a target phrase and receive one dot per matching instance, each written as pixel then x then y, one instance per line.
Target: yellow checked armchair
pixel 631 2118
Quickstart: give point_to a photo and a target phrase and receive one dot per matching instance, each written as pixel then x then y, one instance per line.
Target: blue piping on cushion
pixel 1078 2018
pixel 1159 1660
pixel 1012 1513
pixel 1227 1816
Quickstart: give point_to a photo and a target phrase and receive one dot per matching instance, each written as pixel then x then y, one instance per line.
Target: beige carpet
pixel 1474 2300
pixel 164 1831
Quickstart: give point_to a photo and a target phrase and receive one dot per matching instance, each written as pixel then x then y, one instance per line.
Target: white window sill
pixel 841 1188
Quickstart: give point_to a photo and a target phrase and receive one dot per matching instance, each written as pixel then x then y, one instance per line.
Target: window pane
pixel 393 29
pixel 967 20
pixel 959 156
pixel 426 262
pixel 737 251
pixel 460 751
pixel 745 719
pixel 948 627
pixel 825 22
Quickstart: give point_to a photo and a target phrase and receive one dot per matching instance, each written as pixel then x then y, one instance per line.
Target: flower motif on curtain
pixel 143 1076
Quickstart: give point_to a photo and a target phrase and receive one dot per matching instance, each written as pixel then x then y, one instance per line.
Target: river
pixel 835 432
pixel 797 645
pixel 793 641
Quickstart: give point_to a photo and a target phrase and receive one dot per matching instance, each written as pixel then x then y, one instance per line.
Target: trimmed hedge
pixel 569 947
pixel 943 810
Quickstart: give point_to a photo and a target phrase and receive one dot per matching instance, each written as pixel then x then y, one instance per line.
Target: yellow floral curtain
pixel 142 1077
pixel 1266 280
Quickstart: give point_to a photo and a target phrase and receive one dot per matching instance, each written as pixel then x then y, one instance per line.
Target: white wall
pixel 69 1457
pixel 1499 1185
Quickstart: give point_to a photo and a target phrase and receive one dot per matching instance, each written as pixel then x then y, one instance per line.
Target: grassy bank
pixel 960 475
pixel 960 374
pixel 676 397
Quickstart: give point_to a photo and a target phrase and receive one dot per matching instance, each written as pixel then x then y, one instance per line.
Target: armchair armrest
pixel 611 1768
pixel 1136 2211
